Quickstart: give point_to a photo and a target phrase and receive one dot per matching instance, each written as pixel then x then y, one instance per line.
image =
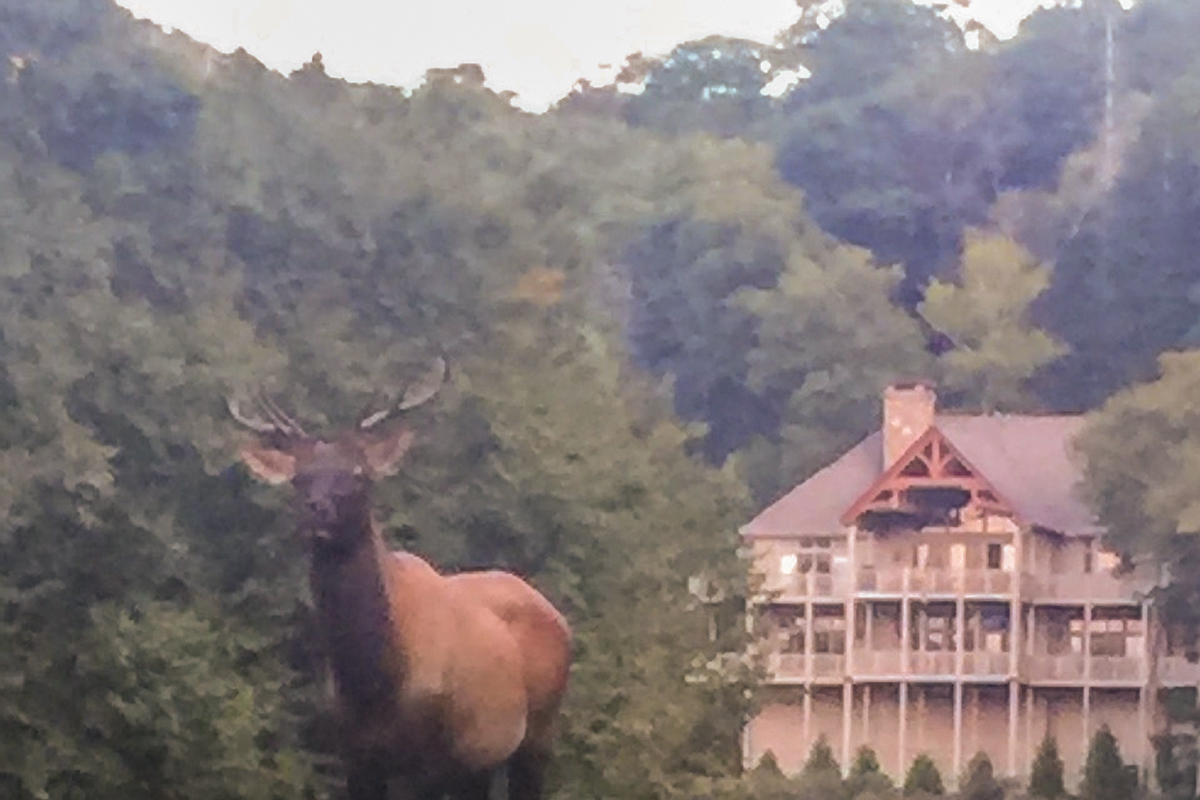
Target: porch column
pixel 848 687
pixel 1014 710
pixel 921 690
pixel 1029 743
pixel 1145 693
pixel 960 610
pixel 1014 648
pixel 847 721
pixel 866 713
pixel 958 713
pixel 808 673
pixel 902 754
pixel 1087 675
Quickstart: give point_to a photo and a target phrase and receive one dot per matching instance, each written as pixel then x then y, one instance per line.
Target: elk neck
pixel 350 591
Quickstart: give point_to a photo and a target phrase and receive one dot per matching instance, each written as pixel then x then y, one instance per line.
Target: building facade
pixel 941 588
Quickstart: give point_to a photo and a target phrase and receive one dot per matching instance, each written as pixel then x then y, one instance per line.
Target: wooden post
pixel 1014 649
pixel 960 611
pixel 1030 747
pixel 974 738
pixel 848 687
pixel 806 706
pixel 866 713
pixel 902 755
pixel 847 721
pixel 808 642
pixel 958 713
pixel 1087 675
pixel 921 745
pixel 808 673
pixel 1014 710
pixel 1145 692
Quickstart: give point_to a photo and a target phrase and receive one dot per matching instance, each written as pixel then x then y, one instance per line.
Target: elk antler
pixel 417 394
pixel 275 421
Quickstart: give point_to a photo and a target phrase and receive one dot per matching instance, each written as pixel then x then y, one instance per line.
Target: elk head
pixel 332 478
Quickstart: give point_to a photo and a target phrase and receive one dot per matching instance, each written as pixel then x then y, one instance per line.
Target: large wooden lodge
pixel 942 588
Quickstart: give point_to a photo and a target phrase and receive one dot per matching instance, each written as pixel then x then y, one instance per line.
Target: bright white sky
pixel 537 48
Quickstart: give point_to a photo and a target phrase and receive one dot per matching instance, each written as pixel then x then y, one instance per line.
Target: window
pixel 1009 561
pixel 829 635
pixel 789 631
pixel 939 631
pixel 1117 637
pixel 1108 561
pixel 958 557
pixel 995 554
pixel 813 555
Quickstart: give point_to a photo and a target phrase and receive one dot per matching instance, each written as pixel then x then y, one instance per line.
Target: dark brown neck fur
pixel 352 607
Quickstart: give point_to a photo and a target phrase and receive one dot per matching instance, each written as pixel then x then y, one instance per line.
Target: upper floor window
pixel 814 554
pixel 1107 562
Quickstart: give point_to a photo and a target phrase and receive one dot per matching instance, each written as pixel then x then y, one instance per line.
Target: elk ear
pixel 383 454
pixel 269 465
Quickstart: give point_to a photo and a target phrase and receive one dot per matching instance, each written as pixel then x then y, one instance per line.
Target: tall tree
pixel 996 348
pixel 1105 775
pixel 923 778
pixel 1046 776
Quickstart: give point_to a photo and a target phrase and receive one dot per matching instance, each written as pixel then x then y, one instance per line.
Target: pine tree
pixel 1047 779
pixel 821 777
pixel 980 782
pixel 923 777
pixel 1105 776
pixel 821 760
pixel 866 777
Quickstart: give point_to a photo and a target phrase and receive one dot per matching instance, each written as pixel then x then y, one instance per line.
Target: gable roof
pixel 928 450
pixel 1027 458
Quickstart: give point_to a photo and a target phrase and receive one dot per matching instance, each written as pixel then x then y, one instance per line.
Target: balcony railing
pixel 932 665
pixel 878 663
pixel 1055 669
pixel 1178 671
pixel 792 667
pixel 943 665
pixel 1073 668
pixel 1118 669
pixel 1070 588
pixel 831 585
pixel 985 664
pixel 1082 587
pixel 948 582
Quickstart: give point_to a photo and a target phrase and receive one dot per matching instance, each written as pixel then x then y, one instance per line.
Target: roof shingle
pixel 1029 459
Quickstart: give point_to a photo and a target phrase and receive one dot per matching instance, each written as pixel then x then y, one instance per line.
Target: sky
pixel 536 48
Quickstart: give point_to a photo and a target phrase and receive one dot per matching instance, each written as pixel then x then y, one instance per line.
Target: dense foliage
pixel 662 309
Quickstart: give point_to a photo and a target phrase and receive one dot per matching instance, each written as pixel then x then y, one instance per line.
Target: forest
pixel 664 301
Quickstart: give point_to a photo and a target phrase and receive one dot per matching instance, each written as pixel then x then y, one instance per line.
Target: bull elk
pixel 443 681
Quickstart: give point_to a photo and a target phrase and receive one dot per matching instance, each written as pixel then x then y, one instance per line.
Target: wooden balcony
pixel 1079 588
pixel 896 581
pixel 1073 669
pixel 1045 589
pixel 979 666
pixel 939 666
pixel 1177 671
pixel 986 665
pixel 794 668
pixel 832 586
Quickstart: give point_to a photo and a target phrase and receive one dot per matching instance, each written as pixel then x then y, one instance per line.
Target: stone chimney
pixel 908 410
